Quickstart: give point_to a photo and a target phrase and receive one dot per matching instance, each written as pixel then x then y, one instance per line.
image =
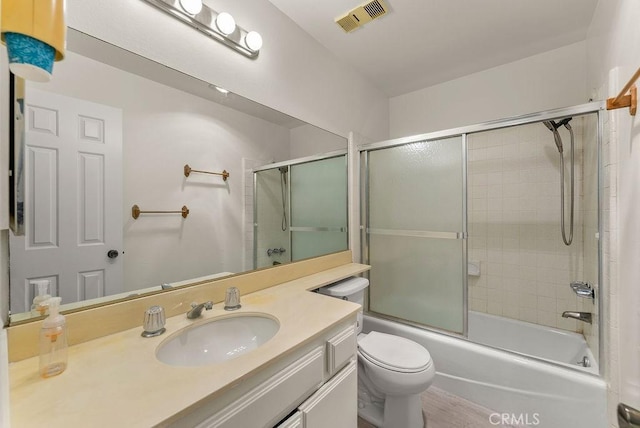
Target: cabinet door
pixel 335 403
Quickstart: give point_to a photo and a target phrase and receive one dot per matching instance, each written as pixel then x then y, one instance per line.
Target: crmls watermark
pixel 523 419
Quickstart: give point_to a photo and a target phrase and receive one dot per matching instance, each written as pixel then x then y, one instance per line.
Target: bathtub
pixel 526 338
pixel 527 391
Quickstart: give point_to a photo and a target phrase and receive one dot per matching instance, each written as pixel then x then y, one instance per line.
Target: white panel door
pixel 73 200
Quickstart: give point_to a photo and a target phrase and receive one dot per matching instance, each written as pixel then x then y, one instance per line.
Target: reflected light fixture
pixel 192 7
pixel 219 26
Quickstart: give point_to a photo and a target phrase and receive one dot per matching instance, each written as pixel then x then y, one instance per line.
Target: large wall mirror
pixel 113 130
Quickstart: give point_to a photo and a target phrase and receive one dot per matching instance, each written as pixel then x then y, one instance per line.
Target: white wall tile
pixel 515 194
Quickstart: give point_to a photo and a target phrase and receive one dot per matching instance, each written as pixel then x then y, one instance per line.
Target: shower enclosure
pixel 465 232
pixel 300 209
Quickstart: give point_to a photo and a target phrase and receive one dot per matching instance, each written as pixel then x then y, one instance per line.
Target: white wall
pixel 307 140
pixel 549 80
pixel 270 209
pixel 293 73
pixel 613 55
pixel 164 129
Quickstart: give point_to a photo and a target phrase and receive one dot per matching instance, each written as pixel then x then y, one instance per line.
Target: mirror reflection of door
pixel 72 201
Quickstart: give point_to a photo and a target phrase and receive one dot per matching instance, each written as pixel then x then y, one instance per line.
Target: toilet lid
pixel 394 352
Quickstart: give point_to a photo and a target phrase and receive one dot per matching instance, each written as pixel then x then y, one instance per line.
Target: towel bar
pixel 188 171
pixel 136 211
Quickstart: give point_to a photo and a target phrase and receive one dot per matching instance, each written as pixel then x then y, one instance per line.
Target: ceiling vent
pixel 362 14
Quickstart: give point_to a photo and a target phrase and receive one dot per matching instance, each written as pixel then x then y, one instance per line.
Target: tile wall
pixel 514 225
pixel 269 209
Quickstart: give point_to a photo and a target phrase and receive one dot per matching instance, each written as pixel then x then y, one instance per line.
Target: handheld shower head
pixel 553 127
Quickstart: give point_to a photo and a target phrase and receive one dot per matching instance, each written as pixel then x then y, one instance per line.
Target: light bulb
pixel 192 7
pixel 253 40
pixel 225 23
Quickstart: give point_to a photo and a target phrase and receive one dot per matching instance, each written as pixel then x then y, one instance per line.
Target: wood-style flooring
pixel 446 410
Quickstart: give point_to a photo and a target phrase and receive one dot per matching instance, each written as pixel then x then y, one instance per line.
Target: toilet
pixel 392 371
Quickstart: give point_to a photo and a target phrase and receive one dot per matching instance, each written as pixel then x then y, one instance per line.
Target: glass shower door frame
pixel 597 107
pixel 290 163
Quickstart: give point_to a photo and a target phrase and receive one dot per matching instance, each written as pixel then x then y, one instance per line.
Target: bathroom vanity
pixel 304 376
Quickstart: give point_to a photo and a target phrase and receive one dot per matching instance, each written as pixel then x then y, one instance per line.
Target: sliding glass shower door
pixel 416 231
pixel 318 207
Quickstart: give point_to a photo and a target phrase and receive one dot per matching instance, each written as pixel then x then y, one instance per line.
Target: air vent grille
pixel 362 14
pixel 347 23
pixel 374 9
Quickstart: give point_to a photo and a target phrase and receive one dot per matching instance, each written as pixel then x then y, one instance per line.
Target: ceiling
pixel 420 43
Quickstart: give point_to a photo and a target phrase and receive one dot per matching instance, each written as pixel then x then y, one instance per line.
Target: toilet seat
pixel 394 353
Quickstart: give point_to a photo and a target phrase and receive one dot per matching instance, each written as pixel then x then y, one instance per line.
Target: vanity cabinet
pixel 316 387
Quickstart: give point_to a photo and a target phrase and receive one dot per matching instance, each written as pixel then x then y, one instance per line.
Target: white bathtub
pixel 531 339
pixel 530 392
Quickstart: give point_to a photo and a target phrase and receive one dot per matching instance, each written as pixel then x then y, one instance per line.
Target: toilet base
pixel 371 413
pixel 375 414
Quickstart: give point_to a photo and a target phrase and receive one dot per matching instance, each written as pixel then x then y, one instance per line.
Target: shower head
pixel 565 123
pixel 553 127
pixel 283 169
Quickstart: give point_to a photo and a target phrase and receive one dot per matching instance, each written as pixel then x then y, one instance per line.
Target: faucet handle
pixel 154 321
pixel 583 289
pixel 232 299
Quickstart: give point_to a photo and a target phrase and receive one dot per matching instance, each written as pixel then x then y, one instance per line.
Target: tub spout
pixel 581 316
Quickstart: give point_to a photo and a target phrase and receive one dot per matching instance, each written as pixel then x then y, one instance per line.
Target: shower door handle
pixel 628 417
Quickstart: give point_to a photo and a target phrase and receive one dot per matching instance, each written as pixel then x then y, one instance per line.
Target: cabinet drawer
pixel 293 421
pixel 271 400
pixel 340 349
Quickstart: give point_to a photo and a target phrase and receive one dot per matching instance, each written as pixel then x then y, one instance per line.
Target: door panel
pixel 73 201
pixel 416 232
pixel 318 207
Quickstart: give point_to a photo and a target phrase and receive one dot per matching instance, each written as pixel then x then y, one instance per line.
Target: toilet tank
pixel 351 289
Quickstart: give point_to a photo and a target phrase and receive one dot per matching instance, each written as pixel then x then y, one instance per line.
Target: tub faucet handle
pixel 584 362
pixel 583 289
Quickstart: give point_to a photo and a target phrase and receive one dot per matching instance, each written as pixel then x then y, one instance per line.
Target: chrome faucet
pixel 196 309
pixel 580 316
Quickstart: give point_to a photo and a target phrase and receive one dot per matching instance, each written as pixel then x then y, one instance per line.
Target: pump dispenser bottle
pixel 53 341
pixel 39 306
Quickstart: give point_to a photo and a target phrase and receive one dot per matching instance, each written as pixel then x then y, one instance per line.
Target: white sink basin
pixel 217 340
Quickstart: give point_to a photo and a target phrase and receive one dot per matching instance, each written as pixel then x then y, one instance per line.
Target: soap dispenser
pixel 39 306
pixel 53 341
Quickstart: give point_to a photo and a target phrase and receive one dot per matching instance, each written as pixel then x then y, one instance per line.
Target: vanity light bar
pixel 215 25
